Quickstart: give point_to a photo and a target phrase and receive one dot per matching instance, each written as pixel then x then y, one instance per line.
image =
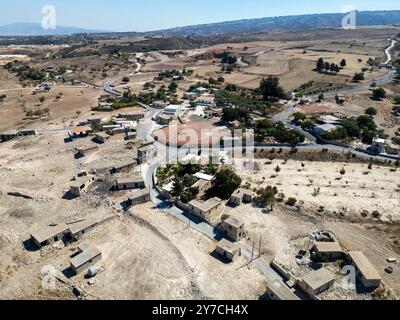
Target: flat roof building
pixel 317 282
pixel 80 185
pixel 123 166
pixel 135 182
pixel 80 228
pixel 324 128
pixel 367 274
pixel 85 259
pixel 47 235
pixel 278 291
pixel 332 250
pixel 146 152
pixel 241 195
pixel 234 228
pixel 139 196
pixel 227 249
pixel 207 210
pixel 87 150
pixel 101 137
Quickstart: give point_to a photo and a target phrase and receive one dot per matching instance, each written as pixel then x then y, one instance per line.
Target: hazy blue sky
pixel 143 15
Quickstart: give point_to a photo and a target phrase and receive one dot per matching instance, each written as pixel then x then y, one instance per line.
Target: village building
pixel 78 229
pixel 138 197
pixel 9 135
pixel 80 185
pixel 324 128
pixel 86 151
pixel 330 250
pixel 164 119
pixel 27 132
pixel 241 195
pixel 130 136
pixel 190 159
pixel 129 183
pixel 123 166
pixel 206 101
pixel 366 273
pixel 227 250
pixel 172 110
pixel 206 210
pixel 146 152
pixel 79 132
pixel 112 127
pixel 328 119
pixel 202 185
pixel 49 234
pixel 94 120
pixel 159 104
pixel 101 137
pixel 190 95
pixel 87 256
pixel 317 282
pixel 132 116
pixel 119 130
pixel 234 228
pixel 277 291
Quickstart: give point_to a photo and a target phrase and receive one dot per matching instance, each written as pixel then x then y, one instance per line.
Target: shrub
pixel 291 202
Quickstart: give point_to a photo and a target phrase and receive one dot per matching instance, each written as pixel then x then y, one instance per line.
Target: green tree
pixel 320 65
pixel 343 63
pixel 371 111
pixel 270 88
pixel 266 197
pixel 379 93
pixel 225 183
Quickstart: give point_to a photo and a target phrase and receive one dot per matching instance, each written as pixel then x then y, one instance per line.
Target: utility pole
pixel 252 252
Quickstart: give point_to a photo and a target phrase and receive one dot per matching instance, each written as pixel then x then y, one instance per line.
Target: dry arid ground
pixel 147 254
pixel 319 186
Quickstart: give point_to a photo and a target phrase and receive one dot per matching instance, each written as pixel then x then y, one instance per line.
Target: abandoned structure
pixel 129 183
pixel 234 228
pixel 49 234
pixel 80 132
pixel 87 256
pixel 227 249
pixel 101 137
pixel 241 195
pixel 332 251
pixel 86 151
pixel 366 273
pixel 317 282
pixel 80 185
pixel 279 291
pixel 138 197
pixel 77 230
pixel 123 167
pixel 206 210
pixel 63 231
pixel 146 152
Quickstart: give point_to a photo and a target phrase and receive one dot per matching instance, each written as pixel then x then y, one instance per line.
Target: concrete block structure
pixel 227 250
pixel 366 273
pixel 234 228
pixel 87 257
pixel 317 282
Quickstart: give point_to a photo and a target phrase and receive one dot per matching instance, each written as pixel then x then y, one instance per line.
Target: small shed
pixel 138 196
pixel 332 250
pixel 129 183
pixel 317 282
pixel 80 185
pixel 227 249
pixel 101 137
pixel 87 150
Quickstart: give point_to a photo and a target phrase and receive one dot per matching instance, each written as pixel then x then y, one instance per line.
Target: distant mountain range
pixel 284 24
pixel 262 25
pixel 35 29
